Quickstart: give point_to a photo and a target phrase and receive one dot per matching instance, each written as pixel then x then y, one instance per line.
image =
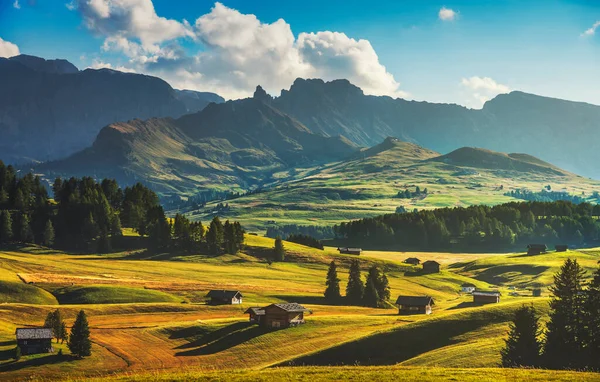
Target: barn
pixel 486 297
pixel 349 251
pixel 561 247
pixel 34 340
pixel 414 304
pixel 431 266
pixel 536 249
pixel 412 261
pixel 224 297
pixel 278 316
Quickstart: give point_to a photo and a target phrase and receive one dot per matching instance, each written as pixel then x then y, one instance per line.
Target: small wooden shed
pixel 256 315
pixel 414 304
pixel 34 340
pixel 486 297
pixel 467 288
pixel 283 315
pixel 431 266
pixel 224 297
pixel 350 251
pixel 536 249
pixel 412 261
pixel 561 247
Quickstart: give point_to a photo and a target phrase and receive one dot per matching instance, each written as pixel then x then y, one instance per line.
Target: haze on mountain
pixel 49 109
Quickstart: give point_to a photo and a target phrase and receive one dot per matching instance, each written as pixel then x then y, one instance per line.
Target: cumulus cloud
pixel 8 49
pixel 234 51
pixel 97 64
pixel 447 14
pixel 482 89
pixel 592 30
pixel 16 4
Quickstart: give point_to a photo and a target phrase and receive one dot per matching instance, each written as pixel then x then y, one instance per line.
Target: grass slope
pixel 102 294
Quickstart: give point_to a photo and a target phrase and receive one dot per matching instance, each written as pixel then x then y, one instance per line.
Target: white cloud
pixel 235 51
pixel 591 31
pixel 16 4
pixel 8 49
pixel 482 89
pixel 96 64
pixel 447 14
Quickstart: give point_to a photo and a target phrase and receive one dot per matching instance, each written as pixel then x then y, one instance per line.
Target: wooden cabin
pixel 486 297
pixel 412 261
pixel 536 249
pixel 414 304
pixel 277 316
pixel 467 288
pixel 224 297
pixel 537 292
pixel 561 247
pixel 34 340
pixel 431 266
pixel 256 315
pixel 349 251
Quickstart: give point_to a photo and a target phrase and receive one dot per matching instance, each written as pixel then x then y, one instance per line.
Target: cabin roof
pixel 224 294
pixel 291 307
pixel 468 285
pixel 411 259
pixel 431 262
pixel 487 293
pixel 34 333
pixel 537 246
pixel 256 311
pixel 415 300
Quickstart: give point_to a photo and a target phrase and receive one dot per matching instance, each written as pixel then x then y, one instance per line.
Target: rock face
pixel 49 109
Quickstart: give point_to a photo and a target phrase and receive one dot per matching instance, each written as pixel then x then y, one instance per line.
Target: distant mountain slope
pixel 49 109
pixel 487 159
pixel 234 145
pixel 551 129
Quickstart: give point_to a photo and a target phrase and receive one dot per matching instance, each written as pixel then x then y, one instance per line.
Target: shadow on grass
pixel 221 339
pixel 419 273
pixel 25 362
pixel 468 304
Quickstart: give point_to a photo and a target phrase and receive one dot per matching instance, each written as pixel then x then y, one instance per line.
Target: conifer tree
pixel 214 236
pixel 564 334
pixel 355 288
pixel 48 237
pixel 381 284
pixel 371 297
pixel 79 340
pixel 279 250
pixel 592 322
pixel 522 345
pixel 25 232
pixel 6 232
pixel 55 322
pixel 332 290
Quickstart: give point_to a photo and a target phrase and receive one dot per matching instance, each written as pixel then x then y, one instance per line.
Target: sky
pixel 463 52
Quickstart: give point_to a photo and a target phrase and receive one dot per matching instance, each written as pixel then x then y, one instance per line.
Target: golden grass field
pixel 148 318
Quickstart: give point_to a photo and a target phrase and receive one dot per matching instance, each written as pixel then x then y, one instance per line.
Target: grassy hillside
pixel 101 294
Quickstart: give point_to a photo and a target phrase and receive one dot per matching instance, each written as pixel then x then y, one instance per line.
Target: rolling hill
pixel 50 109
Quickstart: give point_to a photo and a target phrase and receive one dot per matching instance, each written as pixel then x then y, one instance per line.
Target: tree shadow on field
pixel 468 304
pixel 50 359
pixel 312 300
pixel 222 339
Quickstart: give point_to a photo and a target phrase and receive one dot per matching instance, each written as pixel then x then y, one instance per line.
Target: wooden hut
pixel 414 304
pixel 536 249
pixel 561 247
pixel 256 315
pixel 349 251
pixel 412 261
pixel 224 297
pixel 283 315
pixel 537 292
pixel 431 266
pixel 467 288
pixel 34 340
pixel 486 297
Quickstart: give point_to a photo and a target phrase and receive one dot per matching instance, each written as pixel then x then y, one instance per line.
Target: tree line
pixel 505 226
pixel 408 194
pixel 545 196
pixel 572 336
pixel 375 292
pixel 307 240
pixel 284 231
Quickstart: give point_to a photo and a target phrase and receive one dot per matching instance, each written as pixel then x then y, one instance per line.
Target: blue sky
pixel 466 54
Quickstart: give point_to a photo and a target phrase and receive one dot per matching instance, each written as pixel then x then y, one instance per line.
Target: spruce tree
pixel 25 232
pixel 55 322
pixel 564 334
pixel 592 322
pixel 6 231
pixel 355 288
pixel 522 345
pixel 214 236
pixel 79 340
pixel 48 237
pixel 278 249
pixel 371 297
pixel 332 290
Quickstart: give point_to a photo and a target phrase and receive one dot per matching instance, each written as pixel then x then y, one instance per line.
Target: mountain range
pixel 49 109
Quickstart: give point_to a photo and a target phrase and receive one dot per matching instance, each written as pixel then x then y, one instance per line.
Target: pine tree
pixel 355 288
pixel 371 297
pixel 55 322
pixel 48 237
pixel 564 334
pixel 278 249
pixel 332 290
pixel 383 289
pixel 214 236
pixel 79 340
pixel 592 321
pixel 522 345
pixel 25 232
pixel 6 232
